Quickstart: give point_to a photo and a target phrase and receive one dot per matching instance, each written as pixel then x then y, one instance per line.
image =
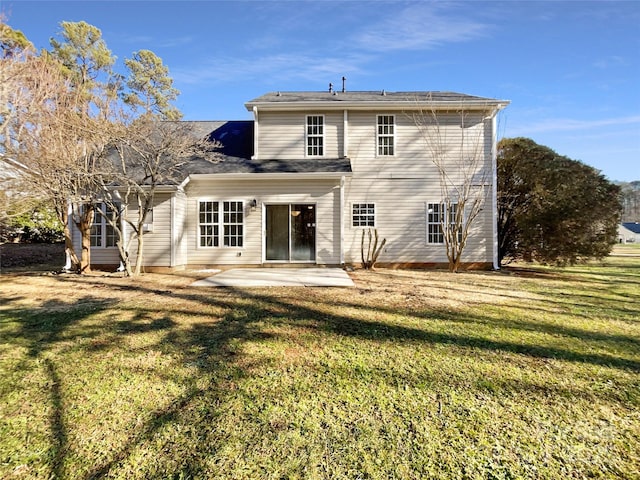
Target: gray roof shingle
pixel 235 155
pixel 633 226
pixel 381 96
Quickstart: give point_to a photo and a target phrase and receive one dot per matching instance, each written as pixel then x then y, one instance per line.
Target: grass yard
pixel 528 373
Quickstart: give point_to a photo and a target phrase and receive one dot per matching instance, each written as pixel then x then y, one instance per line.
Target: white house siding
pixel 402 184
pixel 400 207
pixel 324 193
pixel 157 243
pixel 179 222
pixel 282 135
pixel 415 148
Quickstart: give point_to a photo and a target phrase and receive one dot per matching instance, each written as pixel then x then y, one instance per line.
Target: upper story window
pixel 386 134
pixel 102 233
pixel 364 215
pixel 315 135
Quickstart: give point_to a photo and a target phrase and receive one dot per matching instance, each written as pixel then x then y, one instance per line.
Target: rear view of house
pixel 300 182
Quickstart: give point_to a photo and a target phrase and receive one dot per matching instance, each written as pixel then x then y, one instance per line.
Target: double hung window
pixel 102 233
pixel 215 222
pixel 386 135
pixel 233 213
pixel 437 216
pixel 315 135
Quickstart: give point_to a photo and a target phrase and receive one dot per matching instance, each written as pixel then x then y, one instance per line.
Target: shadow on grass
pixel 214 348
pixel 39 329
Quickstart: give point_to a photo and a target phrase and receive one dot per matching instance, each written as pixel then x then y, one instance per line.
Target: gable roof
pixel 373 99
pixel 633 226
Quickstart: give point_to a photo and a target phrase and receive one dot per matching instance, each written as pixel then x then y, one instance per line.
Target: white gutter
pixel 480 105
pixel 269 176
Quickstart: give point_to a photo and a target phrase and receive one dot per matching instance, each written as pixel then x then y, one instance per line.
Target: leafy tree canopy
pixel 151 87
pixel 12 41
pixel 552 209
pixel 84 55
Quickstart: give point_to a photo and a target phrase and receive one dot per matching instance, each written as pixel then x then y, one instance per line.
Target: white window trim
pixel 394 136
pixel 375 215
pixel 221 223
pixel 198 224
pixel 104 225
pixel 444 211
pixel 307 136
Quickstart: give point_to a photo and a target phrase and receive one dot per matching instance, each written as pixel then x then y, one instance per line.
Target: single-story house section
pixel 629 232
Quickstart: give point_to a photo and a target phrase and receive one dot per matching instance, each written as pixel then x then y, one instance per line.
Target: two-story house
pixel 299 183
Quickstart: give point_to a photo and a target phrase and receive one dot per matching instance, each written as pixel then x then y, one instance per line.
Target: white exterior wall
pixel 179 223
pixel 157 243
pixel 401 185
pixel 325 194
pixel 282 136
pixel 400 208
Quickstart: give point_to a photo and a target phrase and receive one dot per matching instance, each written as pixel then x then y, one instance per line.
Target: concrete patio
pixel 278 277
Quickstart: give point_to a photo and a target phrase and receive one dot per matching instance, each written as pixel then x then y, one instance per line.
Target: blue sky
pixel 570 69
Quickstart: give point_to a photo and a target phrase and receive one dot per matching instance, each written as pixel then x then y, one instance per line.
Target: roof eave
pixel 270 176
pixel 476 105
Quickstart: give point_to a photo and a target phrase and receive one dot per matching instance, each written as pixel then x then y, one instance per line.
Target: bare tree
pixel 150 154
pixel 151 148
pixel 87 149
pixel 33 133
pixel 456 142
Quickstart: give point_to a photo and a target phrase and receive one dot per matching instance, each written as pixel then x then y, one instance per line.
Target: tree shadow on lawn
pixel 622 306
pixel 38 330
pixel 462 315
pixel 213 347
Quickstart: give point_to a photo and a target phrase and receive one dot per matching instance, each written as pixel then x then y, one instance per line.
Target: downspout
pixel 172 203
pixel 263 230
pixel 67 264
pixel 255 133
pixel 345 134
pixel 494 190
pixel 341 221
pixel 123 229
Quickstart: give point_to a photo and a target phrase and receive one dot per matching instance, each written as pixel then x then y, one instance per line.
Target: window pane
pixel 208 219
pixel 315 135
pixel 363 215
pixel 233 214
pixel 386 134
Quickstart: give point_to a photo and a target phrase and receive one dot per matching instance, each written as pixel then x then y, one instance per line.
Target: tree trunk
pixel 85 231
pixel 69 251
pixel 138 268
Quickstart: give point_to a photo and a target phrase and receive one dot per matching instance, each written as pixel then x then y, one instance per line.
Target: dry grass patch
pixel 526 373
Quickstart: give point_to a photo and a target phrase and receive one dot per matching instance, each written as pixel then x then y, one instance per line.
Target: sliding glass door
pixel 291 232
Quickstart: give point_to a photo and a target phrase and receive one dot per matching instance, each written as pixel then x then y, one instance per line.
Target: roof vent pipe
pixel 344 85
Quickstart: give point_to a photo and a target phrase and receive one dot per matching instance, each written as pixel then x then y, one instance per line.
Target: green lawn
pixel 527 373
